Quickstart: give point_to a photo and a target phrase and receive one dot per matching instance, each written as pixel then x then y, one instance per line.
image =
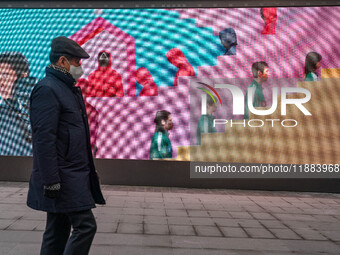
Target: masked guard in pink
pixel 269 15
pixel 144 78
pixel 105 82
pixel 177 58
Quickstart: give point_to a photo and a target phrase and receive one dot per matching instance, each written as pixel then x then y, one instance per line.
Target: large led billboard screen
pixel 147 61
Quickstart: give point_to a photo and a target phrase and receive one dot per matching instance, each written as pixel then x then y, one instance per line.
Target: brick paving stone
pixel 151 219
pixel 284 234
pixel 170 200
pixel 225 222
pixel 134 199
pixel 194 251
pixel 296 217
pixel 233 232
pixel 240 215
pixel 155 212
pixel 5 248
pixel 128 228
pixel 25 249
pixel 12 215
pixel 136 219
pixel 193 206
pixel 219 214
pixel 293 210
pixel 101 217
pixel 199 221
pixel 35 215
pixel 154 205
pixel 131 219
pixel 181 230
pixel 106 227
pixel 233 208
pixel 42 225
pixel 134 205
pixel 229 244
pixel 253 209
pixel 207 231
pixel 245 223
pixel 262 216
pixel 4 224
pixel 326 218
pixel 321 226
pixel 259 233
pixel 179 221
pixel 154 200
pixel 133 211
pixel 311 247
pixel 332 235
pixel 24 225
pixel 213 207
pixel 115 203
pixel 274 209
pixel 171 212
pixel 156 229
pixel 309 234
pixel 198 213
pixel 174 206
pixel 191 200
pixel 272 224
pixel 297 224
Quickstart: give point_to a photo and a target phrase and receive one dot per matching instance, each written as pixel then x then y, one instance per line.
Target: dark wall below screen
pixel 168 174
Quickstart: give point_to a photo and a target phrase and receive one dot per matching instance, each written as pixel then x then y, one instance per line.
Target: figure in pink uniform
pixel 269 15
pixel 177 58
pixel 144 78
pixel 105 82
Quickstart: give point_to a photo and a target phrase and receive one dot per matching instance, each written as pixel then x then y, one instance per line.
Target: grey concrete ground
pixel 174 221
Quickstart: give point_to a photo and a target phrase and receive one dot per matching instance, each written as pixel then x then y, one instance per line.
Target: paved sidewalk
pixel 174 221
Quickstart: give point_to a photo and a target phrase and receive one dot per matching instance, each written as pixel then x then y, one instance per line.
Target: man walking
pixel 64 182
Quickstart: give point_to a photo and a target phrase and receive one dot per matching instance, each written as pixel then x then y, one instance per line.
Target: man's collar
pixel 61 73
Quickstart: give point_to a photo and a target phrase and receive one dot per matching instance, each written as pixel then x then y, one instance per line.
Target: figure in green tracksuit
pixel 160 143
pixel 260 73
pixel 312 63
pixel 206 122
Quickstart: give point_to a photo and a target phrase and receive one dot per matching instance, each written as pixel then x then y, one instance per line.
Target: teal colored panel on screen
pixel 31 31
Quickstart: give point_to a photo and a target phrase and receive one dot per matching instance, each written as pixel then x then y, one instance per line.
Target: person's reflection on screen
pixel 15 90
pixel 160 142
pixel 206 122
pixel 105 82
pixel 312 63
pixel 228 40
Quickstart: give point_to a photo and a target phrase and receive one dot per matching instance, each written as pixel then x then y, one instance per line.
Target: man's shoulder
pixel 47 87
pixel 47 83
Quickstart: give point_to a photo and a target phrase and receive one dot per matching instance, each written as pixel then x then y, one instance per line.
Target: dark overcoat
pixel 61 147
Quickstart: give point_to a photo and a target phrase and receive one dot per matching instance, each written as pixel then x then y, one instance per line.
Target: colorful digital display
pixel 144 62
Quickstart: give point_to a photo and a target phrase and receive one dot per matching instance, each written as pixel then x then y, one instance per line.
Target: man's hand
pixel 52 191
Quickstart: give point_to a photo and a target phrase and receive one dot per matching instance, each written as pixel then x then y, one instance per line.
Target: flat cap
pixel 67 46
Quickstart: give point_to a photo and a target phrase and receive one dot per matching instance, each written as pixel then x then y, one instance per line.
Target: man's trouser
pixel 57 239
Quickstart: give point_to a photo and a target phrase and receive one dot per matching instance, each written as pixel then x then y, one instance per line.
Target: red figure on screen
pixel 92 115
pixel 177 58
pixel 269 15
pixel 105 82
pixel 144 78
